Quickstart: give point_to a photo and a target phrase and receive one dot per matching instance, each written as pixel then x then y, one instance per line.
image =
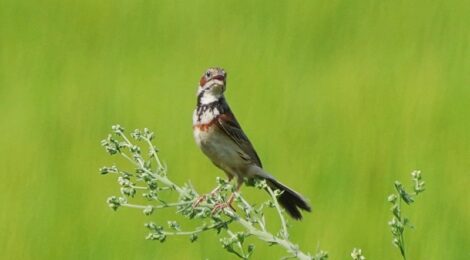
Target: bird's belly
pixel 221 150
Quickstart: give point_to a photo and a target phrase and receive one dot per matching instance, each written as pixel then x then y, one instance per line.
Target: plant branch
pixel 284 232
pixel 152 183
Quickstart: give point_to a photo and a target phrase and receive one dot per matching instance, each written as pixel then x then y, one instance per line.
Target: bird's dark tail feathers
pixel 290 200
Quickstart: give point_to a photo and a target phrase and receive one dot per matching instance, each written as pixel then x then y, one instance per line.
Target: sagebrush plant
pixel 399 222
pixel 149 179
pixel 356 254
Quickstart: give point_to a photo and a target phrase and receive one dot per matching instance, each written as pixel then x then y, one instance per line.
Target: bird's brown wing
pixel 232 128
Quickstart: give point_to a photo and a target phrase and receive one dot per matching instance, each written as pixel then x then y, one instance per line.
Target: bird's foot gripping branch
pixel 148 179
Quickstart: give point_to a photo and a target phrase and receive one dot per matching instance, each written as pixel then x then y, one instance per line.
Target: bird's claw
pixel 199 200
pixel 221 206
pixel 205 197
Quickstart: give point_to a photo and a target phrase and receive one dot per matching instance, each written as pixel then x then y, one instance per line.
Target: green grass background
pixel 340 98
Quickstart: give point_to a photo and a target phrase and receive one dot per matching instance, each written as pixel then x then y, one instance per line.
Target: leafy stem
pixel 151 182
pixel 399 223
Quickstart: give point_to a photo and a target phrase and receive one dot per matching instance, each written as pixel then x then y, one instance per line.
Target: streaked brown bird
pixel 219 135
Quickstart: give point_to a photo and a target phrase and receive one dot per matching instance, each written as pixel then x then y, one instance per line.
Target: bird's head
pixel 213 82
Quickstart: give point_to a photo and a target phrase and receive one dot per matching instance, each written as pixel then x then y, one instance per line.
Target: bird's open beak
pixel 219 77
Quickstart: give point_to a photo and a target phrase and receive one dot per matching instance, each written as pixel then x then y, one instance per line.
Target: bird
pixel 221 138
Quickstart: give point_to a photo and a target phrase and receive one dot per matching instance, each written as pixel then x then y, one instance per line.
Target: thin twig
pixel 279 211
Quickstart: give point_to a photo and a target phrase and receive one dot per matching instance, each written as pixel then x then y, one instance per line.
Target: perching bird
pixel 221 138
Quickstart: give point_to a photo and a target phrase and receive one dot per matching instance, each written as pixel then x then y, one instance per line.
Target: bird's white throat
pixel 209 97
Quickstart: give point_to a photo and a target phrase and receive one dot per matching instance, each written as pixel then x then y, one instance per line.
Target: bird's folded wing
pixel 230 126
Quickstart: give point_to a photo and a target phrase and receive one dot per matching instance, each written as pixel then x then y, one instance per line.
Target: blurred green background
pixel 340 98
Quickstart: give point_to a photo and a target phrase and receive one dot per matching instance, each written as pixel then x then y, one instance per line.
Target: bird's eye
pixel 208 74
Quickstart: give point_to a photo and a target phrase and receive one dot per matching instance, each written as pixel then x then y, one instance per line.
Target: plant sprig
pixel 399 222
pixel 149 179
pixel 356 254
